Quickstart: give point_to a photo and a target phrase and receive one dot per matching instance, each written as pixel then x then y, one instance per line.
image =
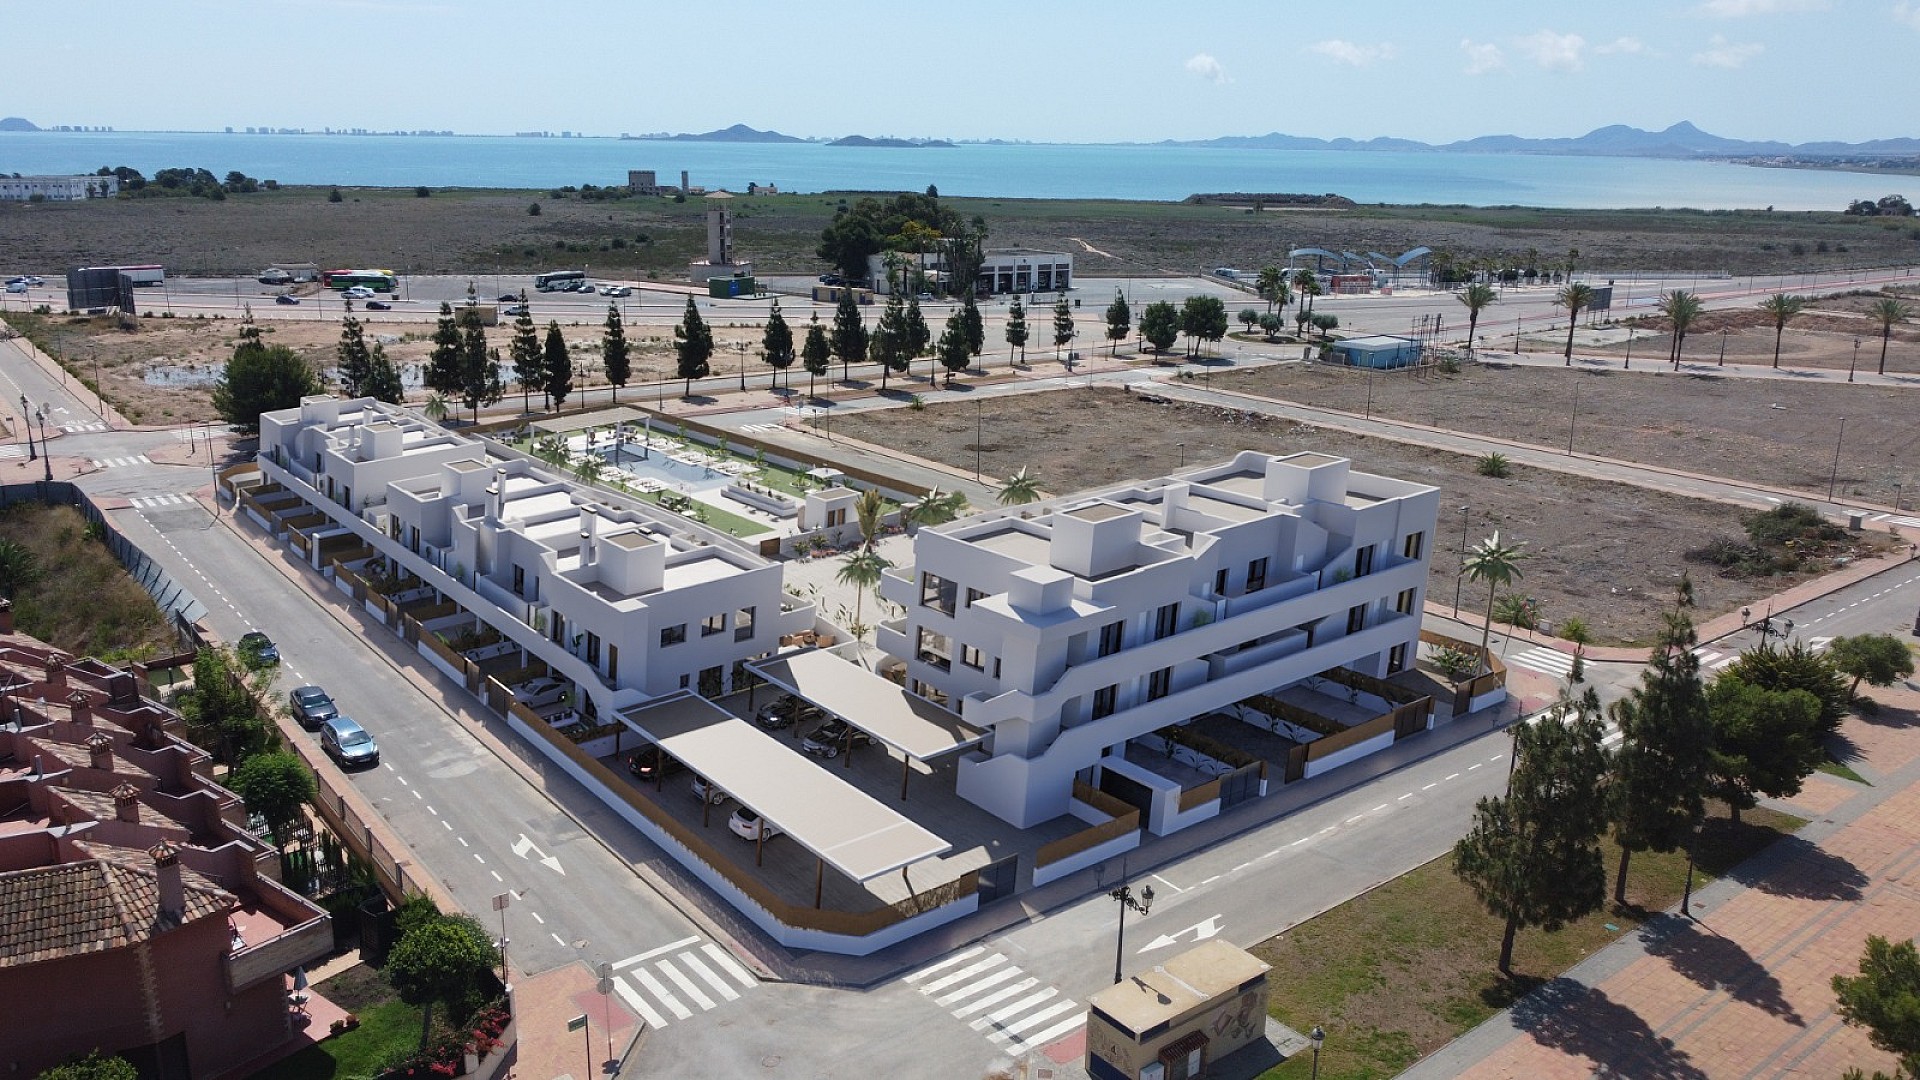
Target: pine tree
pixel 355 362
pixel 383 378
pixel 1160 325
pixel 952 349
pixel 888 346
pixel 479 369
pixel 776 343
pixel 816 353
pixel 849 334
pixel 693 345
pixel 1062 324
pixel 918 334
pixel 559 366
pixel 1532 856
pixel 1016 329
pixel 529 366
pixel 443 364
pixel 615 355
pixel 972 324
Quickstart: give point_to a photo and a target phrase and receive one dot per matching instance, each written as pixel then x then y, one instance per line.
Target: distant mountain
pixel 905 144
pixel 14 123
pixel 1682 140
pixel 738 133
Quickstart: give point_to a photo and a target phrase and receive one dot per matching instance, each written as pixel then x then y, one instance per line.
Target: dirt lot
pixel 1759 431
pixel 1820 337
pixel 1608 553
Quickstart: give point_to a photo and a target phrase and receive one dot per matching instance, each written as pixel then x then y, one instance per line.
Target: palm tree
pixel 937 507
pixel 868 510
pixel 1886 311
pixel 1307 285
pixel 1780 307
pixel 552 450
pixel 19 567
pixel 1681 307
pixel 1498 565
pixel 436 408
pixel 1574 297
pixel 1477 297
pixel 863 570
pixel 588 468
pixel 1021 487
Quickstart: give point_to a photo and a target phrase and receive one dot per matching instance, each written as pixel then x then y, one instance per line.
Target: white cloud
pixel 1722 53
pixel 1555 52
pixel 1738 9
pixel 1907 14
pixel 1626 46
pixel 1346 52
pixel 1482 57
pixel 1205 66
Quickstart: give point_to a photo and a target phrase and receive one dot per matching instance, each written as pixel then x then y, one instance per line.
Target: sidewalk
pixel 1741 989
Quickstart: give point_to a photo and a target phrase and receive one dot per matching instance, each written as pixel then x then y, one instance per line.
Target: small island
pixel 899 144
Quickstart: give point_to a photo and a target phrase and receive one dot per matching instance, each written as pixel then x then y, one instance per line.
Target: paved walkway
pixel 1741 990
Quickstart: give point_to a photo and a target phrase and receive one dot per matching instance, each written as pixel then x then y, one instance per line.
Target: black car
pixel 827 740
pixel 312 707
pixel 653 764
pixel 508 298
pixel 785 711
pixel 255 645
pixel 286 298
pixel 379 305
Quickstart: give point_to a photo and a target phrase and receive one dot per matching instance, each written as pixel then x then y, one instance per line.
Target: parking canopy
pixel 873 703
pixel 853 832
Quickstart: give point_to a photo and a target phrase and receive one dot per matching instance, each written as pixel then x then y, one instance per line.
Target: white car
pixel 617 291
pixel 749 825
pixel 545 690
pixel 359 292
pixel 16 286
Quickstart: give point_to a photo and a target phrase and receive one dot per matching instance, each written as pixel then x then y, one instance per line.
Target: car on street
pixel 257 646
pixel 832 279
pixel 749 825
pixel 706 792
pixel 359 292
pixel 618 291
pixel 582 286
pixel 827 740
pixel 16 286
pixel 653 763
pixel 276 277
pixel 349 744
pixel 312 707
pixel 545 690
pixel 515 310
pixel 286 298
pixel 379 305
pixel 509 298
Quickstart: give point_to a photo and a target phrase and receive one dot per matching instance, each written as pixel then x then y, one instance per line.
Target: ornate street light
pixel 1124 897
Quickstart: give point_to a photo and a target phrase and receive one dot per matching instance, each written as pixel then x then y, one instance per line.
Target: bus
pixel 562 280
pixel 377 280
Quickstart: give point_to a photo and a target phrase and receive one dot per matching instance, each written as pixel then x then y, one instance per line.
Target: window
pixel 938 593
pixel 1416 543
pixel 593 648
pixel 1256 575
pixel 836 518
pixel 996 667
pixel 686 681
pixel 934 649
pixel 974 594
pixel 713 624
pixel 1104 700
pixel 1363 561
pixel 1160 684
pixel 520 581
pixel 1356 618
pixel 711 684
pixel 673 635
pixel 1220 582
pixel 1397 658
pixel 1112 636
pixel 1404 602
pixel 1166 621
pixel 613 663
pixel 743 624
pixel 413 539
pixel 560 628
pixel 973 657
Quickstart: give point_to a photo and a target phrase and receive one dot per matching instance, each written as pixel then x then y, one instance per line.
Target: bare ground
pixel 1611 554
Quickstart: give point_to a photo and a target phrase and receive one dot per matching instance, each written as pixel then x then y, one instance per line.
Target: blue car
pixel 349 744
pixel 258 646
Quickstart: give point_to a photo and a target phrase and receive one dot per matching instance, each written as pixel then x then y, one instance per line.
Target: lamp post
pixel 26 421
pixel 741 348
pixel 1461 578
pixel 1831 480
pixel 500 902
pixel 1124 897
pixel 1575 417
pixel 1319 1038
pixel 1182 448
pixel 46 459
pixel 1851 364
pixel 1896 496
pixel 1723 347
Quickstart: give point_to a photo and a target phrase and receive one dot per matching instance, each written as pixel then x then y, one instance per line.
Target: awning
pixel 873 703
pixel 850 830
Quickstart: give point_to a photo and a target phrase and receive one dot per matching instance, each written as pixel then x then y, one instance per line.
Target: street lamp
pixel 1319 1038
pixel 741 347
pixel 1461 578
pixel 1831 480
pixel 1723 347
pixel 26 421
pixel 46 459
pixel 1124 897
pixel 1851 364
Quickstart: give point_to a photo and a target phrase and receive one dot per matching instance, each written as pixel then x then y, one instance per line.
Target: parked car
pixel 286 298
pixel 582 286
pixel 784 711
pixel 359 292
pixel 706 792
pixel 257 646
pixel 276 277
pixel 545 690
pixel 348 744
pixel 827 740
pixel 832 279
pixel 312 707
pixel 379 305
pixel 749 825
pixel 653 763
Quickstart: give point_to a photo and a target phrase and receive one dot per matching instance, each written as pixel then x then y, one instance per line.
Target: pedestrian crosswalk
pixel 154 502
pixel 116 462
pixel 1903 522
pixel 12 452
pixel 675 980
pixel 996 998
pixel 82 429
pixel 759 427
pixel 200 432
pixel 1713 659
pixel 1547 661
pixel 1819 644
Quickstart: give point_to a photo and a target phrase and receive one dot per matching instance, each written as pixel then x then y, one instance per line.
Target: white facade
pixel 57 188
pixel 1002 270
pixel 1072 626
pixel 626 601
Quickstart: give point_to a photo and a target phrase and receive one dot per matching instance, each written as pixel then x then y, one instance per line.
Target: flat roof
pixel 1179 986
pixel 1016 542
pixel 855 833
pixel 873 703
pixel 620 414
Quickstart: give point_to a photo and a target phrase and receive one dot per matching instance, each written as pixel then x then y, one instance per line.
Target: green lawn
pixel 1842 770
pixel 1399 972
pixel 384 1028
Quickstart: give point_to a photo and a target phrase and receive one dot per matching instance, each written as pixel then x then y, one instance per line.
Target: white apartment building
pixel 1068 627
pixel 627 601
pixel 57 188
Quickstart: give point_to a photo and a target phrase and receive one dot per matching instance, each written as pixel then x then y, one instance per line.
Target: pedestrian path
pixel 996 998
pixel 82 429
pixel 750 428
pixel 116 462
pixel 677 979
pixel 155 502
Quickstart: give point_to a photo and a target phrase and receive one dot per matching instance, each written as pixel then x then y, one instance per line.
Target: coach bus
pixel 377 280
pixel 561 280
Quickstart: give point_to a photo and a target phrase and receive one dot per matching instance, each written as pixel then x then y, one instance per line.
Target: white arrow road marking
pixel 523 845
pixel 1201 931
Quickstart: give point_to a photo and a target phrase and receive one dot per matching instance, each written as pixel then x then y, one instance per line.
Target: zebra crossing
pixel 82 429
pixel 1544 660
pixel 996 998
pixel 1713 659
pixel 155 502
pixel 1903 522
pixel 116 462
pixel 7 452
pixel 753 428
pixel 674 980
pixel 201 433
pixel 1819 644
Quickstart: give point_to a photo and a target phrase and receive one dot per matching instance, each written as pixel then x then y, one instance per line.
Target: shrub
pixel 1455 664
pixel 333 195
pixel 1493 464
pixel 423 192
pixel 533 209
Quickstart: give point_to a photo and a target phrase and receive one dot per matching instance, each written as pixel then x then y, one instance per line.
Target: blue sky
pixel 1123 70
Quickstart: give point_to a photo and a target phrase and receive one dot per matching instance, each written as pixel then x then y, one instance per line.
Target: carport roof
pixel 856 834
pixel 876 705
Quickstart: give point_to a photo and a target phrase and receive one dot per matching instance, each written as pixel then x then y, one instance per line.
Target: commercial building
pixel 1002 270
pixel 1069 627
pixel 138 915
pixel 1377 351
pixel 57 188
pixel 1177 1019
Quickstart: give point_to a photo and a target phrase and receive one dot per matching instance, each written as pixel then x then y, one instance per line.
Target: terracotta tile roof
pixel 99 806
pixel 88 907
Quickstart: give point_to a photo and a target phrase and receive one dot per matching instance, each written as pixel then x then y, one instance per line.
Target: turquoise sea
pixel 1047 171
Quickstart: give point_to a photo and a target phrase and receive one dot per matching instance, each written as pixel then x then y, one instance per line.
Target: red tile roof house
pixel 137 914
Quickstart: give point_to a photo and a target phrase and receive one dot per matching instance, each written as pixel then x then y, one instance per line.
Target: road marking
pixel 1377 809
pixel 685 984
pixel 719 956
pixel 651 953
pixel 557 938
pixel 1039 1018
pixel 432 811
pixel 1405 797
pixel 1216 877
pixel 1168 884
pixel 478 859
pixel 447 824
pixel 118 462
pixel 945 981
pixel 707 976
pixel 959 957
pixel 417 795
pixel 661 992
pixel 463 841
pixel 497 877
pixel 1431 786
pixel 991 980
pixel 1048 1036
pixel 537 918
pixel 1016 1008
pixel 995 998
pixel 1449 776
pixel 640 1005
pixel 1475 765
